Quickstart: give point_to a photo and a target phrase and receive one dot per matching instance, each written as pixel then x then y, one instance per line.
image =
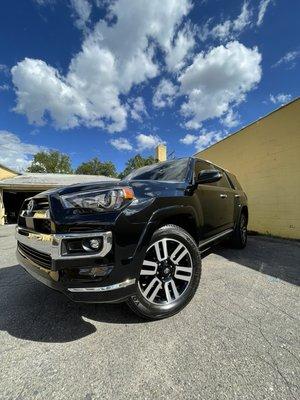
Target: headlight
pixel 102 200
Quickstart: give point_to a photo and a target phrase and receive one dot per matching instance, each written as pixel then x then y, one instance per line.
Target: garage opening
pixel 13 201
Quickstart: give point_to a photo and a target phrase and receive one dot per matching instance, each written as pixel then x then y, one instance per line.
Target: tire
pixel 239 236
pixel 164 286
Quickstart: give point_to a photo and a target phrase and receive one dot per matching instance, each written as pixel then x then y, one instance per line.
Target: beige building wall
pixel 6 173
pixel 265 157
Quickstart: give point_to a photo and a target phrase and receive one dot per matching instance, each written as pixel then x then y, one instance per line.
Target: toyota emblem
pixel 30 206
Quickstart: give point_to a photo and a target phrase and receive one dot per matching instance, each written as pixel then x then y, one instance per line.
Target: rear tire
pixel 169 276
pixel 239 236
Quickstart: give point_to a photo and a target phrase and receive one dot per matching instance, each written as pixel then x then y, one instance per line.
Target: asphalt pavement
pixel 238 339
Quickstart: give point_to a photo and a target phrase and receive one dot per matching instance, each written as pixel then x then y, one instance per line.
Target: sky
pixel 110 79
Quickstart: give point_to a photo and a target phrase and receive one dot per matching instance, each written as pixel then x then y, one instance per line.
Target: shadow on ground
pixel 274 257
pixel 31 311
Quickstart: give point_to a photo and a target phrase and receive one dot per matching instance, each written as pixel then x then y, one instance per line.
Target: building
pixel 265 156
pixel 15 188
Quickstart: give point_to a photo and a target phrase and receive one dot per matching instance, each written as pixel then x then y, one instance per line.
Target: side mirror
pixel 208 176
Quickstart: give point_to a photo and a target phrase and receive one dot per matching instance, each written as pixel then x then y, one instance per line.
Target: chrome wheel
pixel 166 272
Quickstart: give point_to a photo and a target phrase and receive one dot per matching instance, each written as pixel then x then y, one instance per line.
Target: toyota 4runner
pixel 137 240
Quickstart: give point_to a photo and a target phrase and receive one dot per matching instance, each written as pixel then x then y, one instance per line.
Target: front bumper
pixel 117 283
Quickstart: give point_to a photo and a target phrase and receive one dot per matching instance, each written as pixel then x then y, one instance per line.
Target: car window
pixel 204 165
pixel 223 182
pixel 175 170
pixel 201 165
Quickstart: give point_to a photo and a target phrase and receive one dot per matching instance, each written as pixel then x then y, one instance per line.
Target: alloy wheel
pixel 166 272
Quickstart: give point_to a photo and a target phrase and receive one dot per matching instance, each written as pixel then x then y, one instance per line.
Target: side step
pixel 203 245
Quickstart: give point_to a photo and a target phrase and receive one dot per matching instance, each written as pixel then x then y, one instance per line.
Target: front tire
pixel 169 276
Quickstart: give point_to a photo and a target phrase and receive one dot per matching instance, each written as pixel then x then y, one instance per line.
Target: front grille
pixel 39 258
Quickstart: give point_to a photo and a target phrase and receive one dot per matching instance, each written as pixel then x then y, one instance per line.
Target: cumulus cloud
pixel 203 140
pixel 82 9
pixel 137 109
pixel 188 139
pixel 89 93
pixel 262 8
pixel 14 153
pixel 231 119
pixel 178 53
pixel 218 79
pixel 280 98
pixel 289 59
pixel 229 29
pixel 147 142
pixel 164 94
pixel 121 144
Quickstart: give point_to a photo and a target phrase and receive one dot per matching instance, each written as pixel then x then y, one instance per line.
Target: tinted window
pixel 168 171
pixel 204 165
pixel 201 166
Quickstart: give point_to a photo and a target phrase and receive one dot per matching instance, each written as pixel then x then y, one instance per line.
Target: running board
pixel 205 242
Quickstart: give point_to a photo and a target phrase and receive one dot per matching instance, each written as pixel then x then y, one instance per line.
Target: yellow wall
pixel 6 173
pixel 265 157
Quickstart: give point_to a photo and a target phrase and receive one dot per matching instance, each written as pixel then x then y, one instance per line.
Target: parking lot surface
pixel 238 338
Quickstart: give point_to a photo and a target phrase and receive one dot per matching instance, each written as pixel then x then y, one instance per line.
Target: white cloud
pixel 217 80
pixel 280 98
pixel 288 59
pixel 121 144
pixel 138 109
pixel 14 153
pixel 147 142
pixel 229 29
pixel 177 55
pixel 231 119
pixel 203 140
pixel 262 8
pixel 188 139
pixel 164 94
pixel 104 69
pixel 83 11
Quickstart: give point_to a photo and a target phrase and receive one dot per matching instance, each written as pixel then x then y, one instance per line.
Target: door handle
pixel 223 196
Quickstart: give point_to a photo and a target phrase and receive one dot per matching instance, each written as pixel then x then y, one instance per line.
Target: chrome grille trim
pixel 51 244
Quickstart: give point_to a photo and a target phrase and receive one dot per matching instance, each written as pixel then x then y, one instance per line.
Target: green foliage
pixel 51 161
pixel 96 167
pixel 136 162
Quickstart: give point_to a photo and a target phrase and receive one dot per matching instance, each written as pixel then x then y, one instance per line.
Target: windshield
pixel 175 170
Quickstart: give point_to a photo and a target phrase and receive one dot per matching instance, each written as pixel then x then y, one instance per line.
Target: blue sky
pixel 108 79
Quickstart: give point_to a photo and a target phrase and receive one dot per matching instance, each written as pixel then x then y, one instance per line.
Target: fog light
pixel 93 244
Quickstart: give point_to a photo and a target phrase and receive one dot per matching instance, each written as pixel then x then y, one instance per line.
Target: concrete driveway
pixel 238 339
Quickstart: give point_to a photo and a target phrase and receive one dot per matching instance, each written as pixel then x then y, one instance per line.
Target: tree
pixel 96 167
pixel 51 161
pixel 136 162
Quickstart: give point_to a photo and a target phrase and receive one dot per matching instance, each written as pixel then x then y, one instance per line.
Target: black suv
pixel 137 240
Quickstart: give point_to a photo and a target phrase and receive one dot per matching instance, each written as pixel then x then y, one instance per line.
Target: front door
pixel 216 201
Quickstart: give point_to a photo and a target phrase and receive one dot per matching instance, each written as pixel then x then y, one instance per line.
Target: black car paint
pixel 198 207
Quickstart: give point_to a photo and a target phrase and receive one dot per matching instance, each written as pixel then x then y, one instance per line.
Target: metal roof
pixel 50 180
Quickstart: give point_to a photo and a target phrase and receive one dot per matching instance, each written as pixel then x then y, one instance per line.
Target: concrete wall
pixel 265 156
